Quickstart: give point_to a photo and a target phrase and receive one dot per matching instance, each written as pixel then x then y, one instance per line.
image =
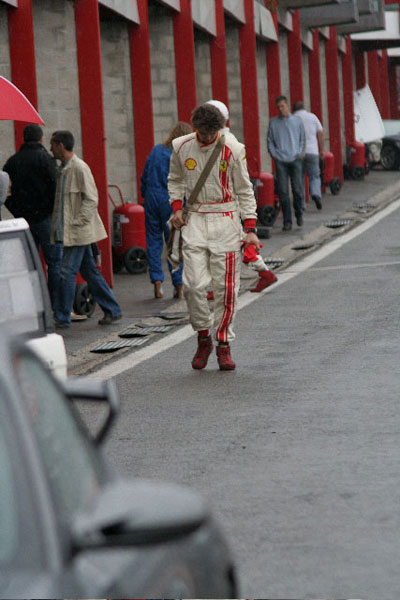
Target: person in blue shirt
pixel 154 190
pixel 286 144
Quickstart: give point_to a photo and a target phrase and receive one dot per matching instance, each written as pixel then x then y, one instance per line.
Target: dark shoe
pixel 204 349
pixel 59 325
pixel 158 291
pixel 317 201
pixel 224 358
pixel 266 278
pixel 108 319
pixel 178 292
pixel 287 227
pixel 299 221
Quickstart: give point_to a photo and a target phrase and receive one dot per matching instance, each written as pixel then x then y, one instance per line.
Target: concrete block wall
pixel 342 124
pixel 162 70
pixel 263 103
pixel 56 68
pixel 306 80
pixel 203 66
pixel 284 63
pixel 118 109
pixel 234 78
pixel 325 119
pixel 7 146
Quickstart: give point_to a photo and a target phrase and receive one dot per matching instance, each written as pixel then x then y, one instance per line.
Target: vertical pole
pixel 219 75
pixel 273 67
pixel 92 112
pixel 384 85
pixel 185 61
pixel 361 79
pixel 348 99
pixel 141 90
pixel 393 91
pixel 374 77
pixel 332 84
pixel 295 60
pixel 22 57
pixel 314 67
pixel 249 80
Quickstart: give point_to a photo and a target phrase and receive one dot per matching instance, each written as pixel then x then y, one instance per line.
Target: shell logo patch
pixel 223 165
pixel 190 164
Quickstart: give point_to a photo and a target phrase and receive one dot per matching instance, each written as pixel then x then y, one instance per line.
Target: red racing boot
pixel 204 349
pixel 265 279
pixel 224 358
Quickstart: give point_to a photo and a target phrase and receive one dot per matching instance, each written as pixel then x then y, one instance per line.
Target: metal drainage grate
pixel 145 325
pixel 171 316
pixel 142 331
pixel 113 346
pixel 303 246
pixel 365 206
pixel 274 262
pixel 338 223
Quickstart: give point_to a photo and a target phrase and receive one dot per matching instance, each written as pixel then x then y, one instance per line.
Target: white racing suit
pixel 212 238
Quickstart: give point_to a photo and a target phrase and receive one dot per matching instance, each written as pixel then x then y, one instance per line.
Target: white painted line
pixel 132 360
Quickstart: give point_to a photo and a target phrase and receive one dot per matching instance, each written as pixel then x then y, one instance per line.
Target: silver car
pixel 70 527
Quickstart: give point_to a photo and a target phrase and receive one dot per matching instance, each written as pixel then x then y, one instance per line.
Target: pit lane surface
pixel 298 450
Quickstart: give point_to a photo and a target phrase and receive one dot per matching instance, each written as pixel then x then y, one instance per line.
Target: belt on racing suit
pixel 214 207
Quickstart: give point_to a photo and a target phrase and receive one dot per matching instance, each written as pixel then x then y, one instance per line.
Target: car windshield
pixel 20 545
pixel 72 467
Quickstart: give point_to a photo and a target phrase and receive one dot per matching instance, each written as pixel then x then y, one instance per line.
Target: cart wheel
pixel 84 303
pixel 357 173
pixel 135 260
pixel 335 186
pixel 389 158
pixel 267 215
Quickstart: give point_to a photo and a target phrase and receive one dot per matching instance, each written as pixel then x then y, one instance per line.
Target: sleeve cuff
pixel 176 205
pixel 250 224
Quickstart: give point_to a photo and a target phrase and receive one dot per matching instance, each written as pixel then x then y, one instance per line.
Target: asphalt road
pixel 298 451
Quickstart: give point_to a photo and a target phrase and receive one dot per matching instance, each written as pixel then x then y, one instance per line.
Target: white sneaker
pixel 76 317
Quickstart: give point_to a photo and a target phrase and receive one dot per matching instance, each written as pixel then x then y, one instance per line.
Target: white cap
pixel 223 109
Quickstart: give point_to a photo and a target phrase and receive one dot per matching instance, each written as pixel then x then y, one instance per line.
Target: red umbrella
pixel 15 106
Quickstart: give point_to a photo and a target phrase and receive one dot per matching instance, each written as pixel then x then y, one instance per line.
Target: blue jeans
pixel 80 258
pixel 311 167
pixel 294 171
pixel 157 212
pixel 52 254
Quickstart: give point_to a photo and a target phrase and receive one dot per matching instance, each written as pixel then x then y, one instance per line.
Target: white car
pixel 24 297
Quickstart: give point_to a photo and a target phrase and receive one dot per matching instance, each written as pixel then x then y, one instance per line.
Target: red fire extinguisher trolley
pixel 129 235
pixel 267 199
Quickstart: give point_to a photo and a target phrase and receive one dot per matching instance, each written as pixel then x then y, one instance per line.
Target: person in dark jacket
pixel 158 209
pixel 33 174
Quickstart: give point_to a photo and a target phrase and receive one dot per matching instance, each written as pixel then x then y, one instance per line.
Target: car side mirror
pixel 139 512
pixel 83 390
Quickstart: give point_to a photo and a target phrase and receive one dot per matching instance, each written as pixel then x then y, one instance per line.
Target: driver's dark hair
pixel 280 99
pixel 207 117
pixel 64 137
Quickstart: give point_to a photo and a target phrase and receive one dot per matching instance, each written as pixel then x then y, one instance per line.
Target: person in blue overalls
pixel 154 190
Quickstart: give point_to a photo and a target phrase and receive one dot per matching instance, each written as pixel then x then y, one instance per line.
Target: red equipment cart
pixel 129 235
pixel 326 166
pixel 267 199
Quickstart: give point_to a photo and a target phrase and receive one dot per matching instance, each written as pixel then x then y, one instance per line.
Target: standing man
pixel 33 174
pixel 286 145
pixel 314 150
pixel 77 224
pixel 212 231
